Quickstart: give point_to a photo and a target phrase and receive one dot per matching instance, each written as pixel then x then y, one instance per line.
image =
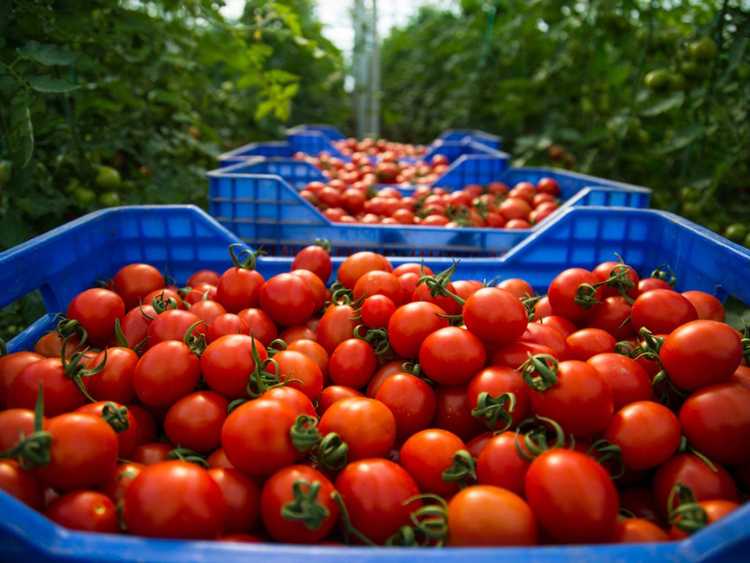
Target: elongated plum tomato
pixel 10 366
pixel 366 425
pixel 638 530
pixel 134 281
pixel 627 379
pixel 706 305
pixel 451 355
pixel 495 315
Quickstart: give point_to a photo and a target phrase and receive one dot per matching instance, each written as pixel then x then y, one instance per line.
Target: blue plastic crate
pixel 328 130
pixel 265 149
pixel 181 239
pixel 492 141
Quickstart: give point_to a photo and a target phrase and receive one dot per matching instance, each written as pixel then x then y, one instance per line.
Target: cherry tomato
pixel 548 186
pixel 546 336
pixel 336 325
pixel 208 310
pixel 411 401
pixel 413 267
pixel 195 421
pixel 227 323
pixel 134 281
pixel 259 324
pixel 219 459
pixel 423 293
pixel 496 381
pixel 300 332
pixel 238 289
pixel 384 372
pixel 588 342
pixel 451 355
pixel 375 492
pixel 352 363
pixel 627 379
pixel 518 287
pixel 477 443
pixel 115 381
pixel 411 324
pixel 174 499
pixel 97 310
pixel 312 350
pixel 203 276
pixel 427 455
pixel 227 364
pixel 14 424
pixel 605 270
pixel 10 366
pixel 241 497
pixel 715 510
pixel 20 484
pixel 377 310
pixel 127 438
pixel 661 311
pixel 135 325
pixel 377 282
pixel 173 324
pixel 638 530
pixel 495 315
pixel 563 325
pixel 515 354
pixel 366 425
pixel 543 308
pixel 454 412
pixel 151 453
pixel 166 373
pixel 706 305
pixel 499 464
pixel 334 393
pixel 166 298
pixel 84 510
pixel 317 287
pixel 315 259
pixel 199 292
pixel 145 424
pixel 358 264
pixel 60 392
pixel 300 372
pixel 483 515
pixel 120 480
pixel 296 399
pixel 613 316
pixel 50 345
pixel 647 284
pixel 563 289
pixel 640 502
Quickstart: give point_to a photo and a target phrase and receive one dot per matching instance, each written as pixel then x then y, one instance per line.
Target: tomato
pixel 134 281
pixel 411 324
pixel 451 355
pixel 125 426
pixel 499 464
pixel 496 381
pixel 454 412
pixel 144 424
pixel 60 392
pixel 174 499
pixel 315 259
pixel 377 310
pixel 647 433
pixel 518 287
pixel 378 282
pixel 227 364
pixel 166 298
pixel 260 325
pixel 227 323
pixel 638 530
pixel 366 425
pixel 701 353
pixel 483 515
pixel 255 437
pixel 83 452
pixel 408 282
pixel 205 277
pixel 647 284
pixel 384 372
pixel 279 496
pixel 239 288
pixel 661 311
pixel 413 267
pixel 495 315
pixel 120 480
pixel 20 484
pixel 716 421
pixel 375 492
pixel 334 393
pixel 695 474
pixel 135 324
pixel 294 398
pixel 605 271
pixel 706 305
pixel 572 497
pixel 300 332
pixel 10 366
pixel 207 310
pixel 627 379
pixel 546 336
pixel 300 372
pixel 151 453
pixel 543 308
pixel 580 401
pixel 241 497
pixel 613 316
pixel 715 510
pixel 515 354
pixel 411 401
pixel 352 363
pixel 15 423
pixel 427 456
pixel 195 421
pixel 173 324
pixel 200 292
pixel 640 502
pixel 515 208
pixel 563 289
pixel 166 373
pixel 548 186
pixel 588 342
pixel 449 305
pixel 358 264
pixel 312 350
pixel 115 381
pixel 50 345
pixel 741 376
pixel 219 459
pixel 317 287
pixel 336 325
pixel 477 443
pixel 84 510
pixel 97 310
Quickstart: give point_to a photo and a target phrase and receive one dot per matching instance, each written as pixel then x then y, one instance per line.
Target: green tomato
pixel 736 232
pixel 6 171
pixel 677 81
pixel 107 178
pixel 109 199
pixel 84 197
pixel 694 69
pixel 659 79
pixel 704 49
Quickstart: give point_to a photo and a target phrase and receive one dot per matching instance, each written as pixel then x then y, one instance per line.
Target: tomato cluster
pixel 397 406
pixel 495 206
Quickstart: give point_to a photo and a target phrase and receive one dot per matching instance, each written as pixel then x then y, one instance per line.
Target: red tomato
pixel 515 354
pixel 515 208
pixel 661 311
pixel 318 288
pixel 647 284
pixel 613 316
pixel 200 292
pixel 287 299
pixel 336 325
pixel 165 298
pixel 135 324
pixel 366 425
pixel 429 456
pixel 572 497
pixel 118 483
pixel 173 324
pixel 151 453
pixel 228 323
pixel 377 310
pixel 203 276
pixel 454 412
pixel 125 426
pixel 115 381
pixel 219 459
pixel 496 381
pixel 417 268
pixel 378 283
pixel 562 293
pixel 227 364
pixel 706 305
pixel 241 497
pixel 411 324
pixel 195 421
pixel 466 288
pixel 411 401
pixel 640 502
pixel 60 392
pixel 451 355
pixel 334 393
pixel 714 509
pixel 358 264
pixel 300 372
pixel 174 499
pixel 548 186
pixel 300 332
pixel 477 443
pixel 384 372
pixel 588 342
pixel 50 345
pixel 716 421
pixel 166 373
pixel 207 310
pixel 495 315
pixel 292 484
pixel 312 350
pixel 499 464
pixel 316 259
pixel 145 425
pixel 239 288
pixel 97 310
pixel 408 283
pixel 296 399
pixel 84 510
pixel 563 325
pixel 518 287
pixel 638 530
pixel 483 515
pixel 701 353
pixel 627 379
pixel 606 270
pixel 10 366
pixel 375 492
pixel 546 336
pixel 260 325
pixel 134 281
pixel 543 308
pixel 20 484
pixel 352 363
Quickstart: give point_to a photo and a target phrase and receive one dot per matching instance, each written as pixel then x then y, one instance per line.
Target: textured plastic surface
pixel 183 239
pixel 258 201
pixel 492 141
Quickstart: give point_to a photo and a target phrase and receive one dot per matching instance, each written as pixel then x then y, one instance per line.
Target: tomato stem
pixel 348 527
pixel 188 455
pixel 666 274
pixel 688 515
pixel 116 417
pixel 535 439
pixel 438 284
pixel 491 410
pixel 161 303
pixel 245 258
pixel 323 243
pixel 608 453
pixel 33 451
pixel 196 342
pixel 463 469
pixel 540 371
pixel 304 507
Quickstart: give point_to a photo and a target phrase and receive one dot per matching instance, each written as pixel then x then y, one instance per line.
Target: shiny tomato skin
pixel 377 310
pixel 661 311
pixel 260 325
pixel 88 511
pixel 366 425
pixel 613 316
pixel 312 350
pixel 10 366
pixel 411 400
pixel 352 363
pixel 166 373
pixel 715 509
pixel 448 304
pixel 296 399
pixel 454 412
pixel 627 379
pixel 135 325
pixel 134 281
pixel 317 288
pixel 173 324
pixel 638 530
pixel 145 424
pixel 316 259
pixel 495 315
pixel 383 372
pixel 120 480
pixel 238 289
pixel 562 292
pixel 300 372
pixel 374 492
pixel 209 277
pixel 588 342
pixel 706 305
pixel 466 288
pixel 115 381
pixel 451 356
pixel 97 310
pixel 174 499
pixel 227 363
pixel 483 515
pixel 241 497
pixel 227 323
pixel 15 423
pixel 358 264
pixel 546 335
pixel 60 393
pixel 219 459
pixel 278 492
pixel 647 284
pixel 701 353
pixel 496 381
pixel 477 444
pixel 499 464
pixel 195 421
pixel 603 272
pixel 426 455
pixel 410 324
pixel 208 310
pixel 336 325
pixel 127 439
pixel 20 484
pixel 518 287
pixel 515 354
pixel 333 393
pixel 716 421
pixel 378 282
pixel 151 453
pixel 413 267
pixel 543 309
pixel 572 497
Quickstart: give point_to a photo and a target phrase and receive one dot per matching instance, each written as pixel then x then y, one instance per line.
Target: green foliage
pixel 652 92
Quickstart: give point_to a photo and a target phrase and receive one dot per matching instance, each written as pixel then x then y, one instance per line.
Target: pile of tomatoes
pixel 495 206
pixel 397 406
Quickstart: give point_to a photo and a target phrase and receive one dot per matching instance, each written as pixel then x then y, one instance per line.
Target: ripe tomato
pixel 239 288
pixel 173 324
pixel 572 497
pixel 219 459
pixel 548 186
pixel 375 492
pixel 499 464
pixel 605 270
pixel 296 399
pixel 208 310
pixel 227 364
pixel 366 425
pixel 466 288
pixel 627 379
pixel 588 342
pixel 287 524
pixel 334 393
pixel 701 353
pixel 300 372
pixel 661 311
pixel 515 208
pixel 413 267
pixel 377 310
pixel 120 480
pixel 225 324
pixel 358 264
pixel 640 502
pixel 411 324
pixel 563 325
pixel 316 259
pixel 377 282
pixel 195 421
pixel 145 424
pixel 259 324
pixel 97 310
pixel 10 366
pixel 241 497
pixel 715 510
pixel 199 292
pixel 203 277
pixel 546 336
pixel 111 412
pixel 317 287
pixel 423 293
pixel 647 284
pixel 706 305
pixel 84 510
pixel 454 412
pixel 135 324
pixel 20 484
pixel 716 421
pixel 515 354
pixel 638 530
pixel 562 293
pixel 165 373
pixel 495 315
pixel 115 381
pixel 427 456
pixel 14 424
pixel 647 433
pixel 483 515
pixel 352 363
pixel 151 453
pixel 255 437
pixel 312 350
pixel 60 392
pixel 134 281
pixel 518 287
pixel 299 332
pixel 477 444
pixel 166 298
pixel 451 355
pixel 384 372
pixel 613 316
pixel 411 401
pixel 50 345
pixel 496 381
pixel 174 499
pixel 83 452
pixel 336 325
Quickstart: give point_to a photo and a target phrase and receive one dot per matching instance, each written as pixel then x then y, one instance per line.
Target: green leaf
pixel 682 139
pixel 46 54
pixel 20 132
pixel 737 313
pixel 51 85
pixel 667 104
